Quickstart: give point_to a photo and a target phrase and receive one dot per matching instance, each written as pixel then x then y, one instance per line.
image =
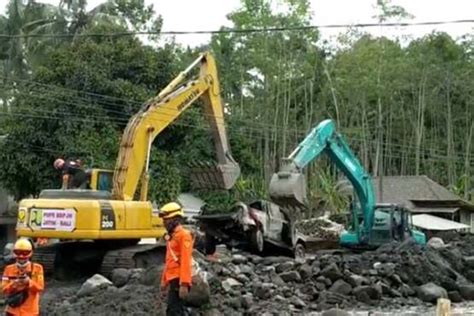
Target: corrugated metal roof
pixel 426 221
pixel 401 189
pixel 449 210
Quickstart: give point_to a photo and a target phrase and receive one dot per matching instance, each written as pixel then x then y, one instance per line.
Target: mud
pixel 132 299
pixel 389 281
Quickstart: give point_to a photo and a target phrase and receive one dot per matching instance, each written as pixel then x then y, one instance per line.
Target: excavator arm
pixel 132 165
pixel 288 186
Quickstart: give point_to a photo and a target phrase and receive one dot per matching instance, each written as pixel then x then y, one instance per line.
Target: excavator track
pixel 78 259
pixel 138 256
pixel 45 255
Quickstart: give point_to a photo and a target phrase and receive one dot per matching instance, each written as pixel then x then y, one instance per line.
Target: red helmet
pixel 23 249
pixel 58 163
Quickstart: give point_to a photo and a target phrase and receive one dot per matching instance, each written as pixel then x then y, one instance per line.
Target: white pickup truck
pixel 261 227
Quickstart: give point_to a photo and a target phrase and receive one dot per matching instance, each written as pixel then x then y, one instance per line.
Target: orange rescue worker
pixel 23 281
pixel 177 275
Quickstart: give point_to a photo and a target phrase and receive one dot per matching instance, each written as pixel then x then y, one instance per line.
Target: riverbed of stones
pixel 393 277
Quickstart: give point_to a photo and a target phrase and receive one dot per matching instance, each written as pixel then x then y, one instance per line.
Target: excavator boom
pixel 134 154
pixel 288 185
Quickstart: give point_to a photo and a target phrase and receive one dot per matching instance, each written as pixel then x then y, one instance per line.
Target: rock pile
pixel 129 292
pixel 393 277
pixel 320 227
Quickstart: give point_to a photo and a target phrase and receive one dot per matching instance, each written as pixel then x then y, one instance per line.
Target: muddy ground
pixel 397 279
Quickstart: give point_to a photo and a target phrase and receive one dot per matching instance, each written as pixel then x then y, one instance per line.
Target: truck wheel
pixel 299 251
pixel 256 240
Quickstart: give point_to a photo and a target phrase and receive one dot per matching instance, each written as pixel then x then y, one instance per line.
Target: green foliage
pixel 52 117
pixel 405 109
pixel 324 189
pixel 164 177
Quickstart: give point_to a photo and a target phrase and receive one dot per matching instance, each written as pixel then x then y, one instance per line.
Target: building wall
pixel 467 218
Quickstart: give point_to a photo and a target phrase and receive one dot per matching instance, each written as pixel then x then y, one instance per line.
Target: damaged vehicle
pixel 261 227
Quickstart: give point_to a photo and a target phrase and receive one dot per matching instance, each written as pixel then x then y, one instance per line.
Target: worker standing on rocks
pixel 22 282
pixel 74 177
pixel 177 274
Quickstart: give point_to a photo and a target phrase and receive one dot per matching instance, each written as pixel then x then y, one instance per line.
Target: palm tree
pixel 23 20
pixel 18 51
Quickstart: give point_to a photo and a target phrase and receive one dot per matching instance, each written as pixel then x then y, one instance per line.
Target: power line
pixel 121 118
pixel 244 31
pixel 456 159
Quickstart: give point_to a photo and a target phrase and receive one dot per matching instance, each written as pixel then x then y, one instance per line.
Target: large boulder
pixel 341 287
pixel 239 259
pixel 467 291
pixel 436 243
pixel 332 272
pixel 285 266
pixel 469 262
pixel 230 283
pixel 200 293
pixel 92 284
pixel 366 293
pixel 120 277
pixel 455 297
pixel 305 271
pixel 357 280
pixel 430 292
pixel 290 276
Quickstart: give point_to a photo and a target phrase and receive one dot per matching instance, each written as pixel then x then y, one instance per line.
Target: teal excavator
pixel 371 224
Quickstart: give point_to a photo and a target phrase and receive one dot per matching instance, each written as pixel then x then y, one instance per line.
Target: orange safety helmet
pixel 23 249
pixel 58 163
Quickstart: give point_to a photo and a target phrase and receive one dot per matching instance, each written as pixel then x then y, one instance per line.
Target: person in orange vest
pixel 22 281
pixel 177 274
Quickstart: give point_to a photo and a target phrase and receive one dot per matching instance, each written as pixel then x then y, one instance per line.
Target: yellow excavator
pixel 103 227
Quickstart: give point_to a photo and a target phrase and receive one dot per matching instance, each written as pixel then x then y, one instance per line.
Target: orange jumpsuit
pixel 179 254
pixel 36 285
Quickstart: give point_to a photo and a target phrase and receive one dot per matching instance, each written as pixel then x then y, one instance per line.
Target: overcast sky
pixel 185 15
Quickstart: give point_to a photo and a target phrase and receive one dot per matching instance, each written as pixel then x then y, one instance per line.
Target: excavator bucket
pixel 214 176
pixel 288 188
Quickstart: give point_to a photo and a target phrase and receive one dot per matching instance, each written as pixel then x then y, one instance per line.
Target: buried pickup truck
pixel 261 227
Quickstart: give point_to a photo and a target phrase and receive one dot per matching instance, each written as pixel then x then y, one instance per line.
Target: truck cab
pixel 258 226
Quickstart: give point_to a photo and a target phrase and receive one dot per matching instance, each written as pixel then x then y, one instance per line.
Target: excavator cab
pixel 100 179
pixel 391 223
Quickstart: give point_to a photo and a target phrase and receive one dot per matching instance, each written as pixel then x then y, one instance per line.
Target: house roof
pixel 430 222
pixel 400 189
pixel 418 193
pixel 444 210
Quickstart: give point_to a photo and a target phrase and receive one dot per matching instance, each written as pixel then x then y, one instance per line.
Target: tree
pixel 77 107
pixel 132 15
pixel 18 51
